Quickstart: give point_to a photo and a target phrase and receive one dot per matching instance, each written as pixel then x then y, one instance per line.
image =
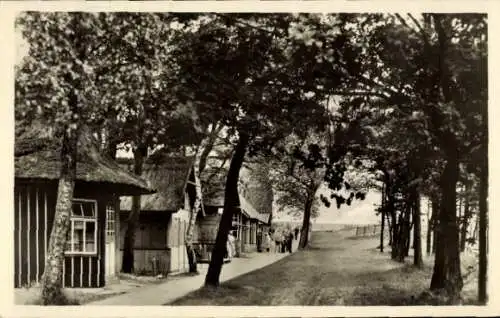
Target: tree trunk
pixel 131 224
pixel 389 225
pixel 394 223
pixel 304 233
pixel 466 218
pixel 408 230
pixel 200 161
pixel 417 239
pixel 403 237
pixel 230 203
pixel 483 232
pixel 395 235
pixel 429 231
pixel 52 293
pixel 382 221
pixel 191 254
pixel 52 276
pixel 447 275
pixel 111 148
pixel 435 223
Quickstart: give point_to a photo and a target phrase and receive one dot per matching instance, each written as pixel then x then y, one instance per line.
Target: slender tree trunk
pixel 389 225
pixel 304 233
pixel 131 224
pixel 395 236
pixel 200 161
pixel 52 293
pixel 429 231
pixel 230 204
pixel 191 254
pixel 394 226
pixel 111 147
pixel 404 236
pixel 382 221
pixel 408 230
pixel 483 232
pixel 417 239
pixel 466 218
pixel 447 275
pixel 435 223
pixel 52 276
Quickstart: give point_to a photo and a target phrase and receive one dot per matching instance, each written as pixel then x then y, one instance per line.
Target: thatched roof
pixel 169 175
pixel 251 212
pixel 247 208
pixel 37 156
pixel 264 217
pixel 215 197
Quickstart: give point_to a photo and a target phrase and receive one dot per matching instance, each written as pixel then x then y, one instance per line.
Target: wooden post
pixel 117 236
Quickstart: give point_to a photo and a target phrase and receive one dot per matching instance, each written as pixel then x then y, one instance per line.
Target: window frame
pixel 85 220
pixel 110 228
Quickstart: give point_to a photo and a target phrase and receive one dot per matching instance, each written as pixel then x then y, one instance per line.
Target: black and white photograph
pixel 210 158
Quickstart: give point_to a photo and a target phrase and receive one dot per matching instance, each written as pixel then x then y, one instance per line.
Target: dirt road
pixel 336 270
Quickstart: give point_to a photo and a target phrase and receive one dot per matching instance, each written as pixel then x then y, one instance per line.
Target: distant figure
pixel 284 243
pixel 296 233
pixel 267 242
pixel 277 241
pixel 259 241
pixel 230 246
pixel 289 242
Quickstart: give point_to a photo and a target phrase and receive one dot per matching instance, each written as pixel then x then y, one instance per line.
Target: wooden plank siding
pixel 34 209
pixel 150 241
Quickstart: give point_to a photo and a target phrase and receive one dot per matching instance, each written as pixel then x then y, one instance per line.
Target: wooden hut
pixel 159 246
pixel 208 224
pixel 246 223
pixel 252 222
pixel 99 182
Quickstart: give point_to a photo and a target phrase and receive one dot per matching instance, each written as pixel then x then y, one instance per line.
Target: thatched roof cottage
pixel 90 251
pixel 159 237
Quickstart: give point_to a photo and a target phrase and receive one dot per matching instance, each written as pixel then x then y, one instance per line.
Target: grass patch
pixel 366 237
pixel 334 271
pixel 62 300
pixel 73 298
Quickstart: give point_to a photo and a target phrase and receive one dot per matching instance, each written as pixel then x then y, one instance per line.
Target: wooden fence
pixel 176 243
pixel 367 230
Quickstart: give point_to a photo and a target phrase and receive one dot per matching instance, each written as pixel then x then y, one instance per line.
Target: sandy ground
pixel 126 283
pixel 336 270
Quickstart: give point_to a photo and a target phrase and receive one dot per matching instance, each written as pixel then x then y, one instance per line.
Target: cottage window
pixel 110 224
pixel 82 236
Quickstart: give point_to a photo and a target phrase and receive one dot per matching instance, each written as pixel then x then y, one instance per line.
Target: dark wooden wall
pixel 150 241
pixel 34 209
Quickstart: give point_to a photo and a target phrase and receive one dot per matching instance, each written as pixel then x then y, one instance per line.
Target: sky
pixel 359 212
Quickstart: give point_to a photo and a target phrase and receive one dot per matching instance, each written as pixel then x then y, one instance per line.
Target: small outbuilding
pixel 90 250
pixel 159 245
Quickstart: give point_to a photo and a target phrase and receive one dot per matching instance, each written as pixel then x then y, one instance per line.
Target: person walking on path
pixel 289 242
pixel 284 242
pixel 277 240
pixel 296 233
pixel 259 241
pixel 230 246
pixel 267 242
